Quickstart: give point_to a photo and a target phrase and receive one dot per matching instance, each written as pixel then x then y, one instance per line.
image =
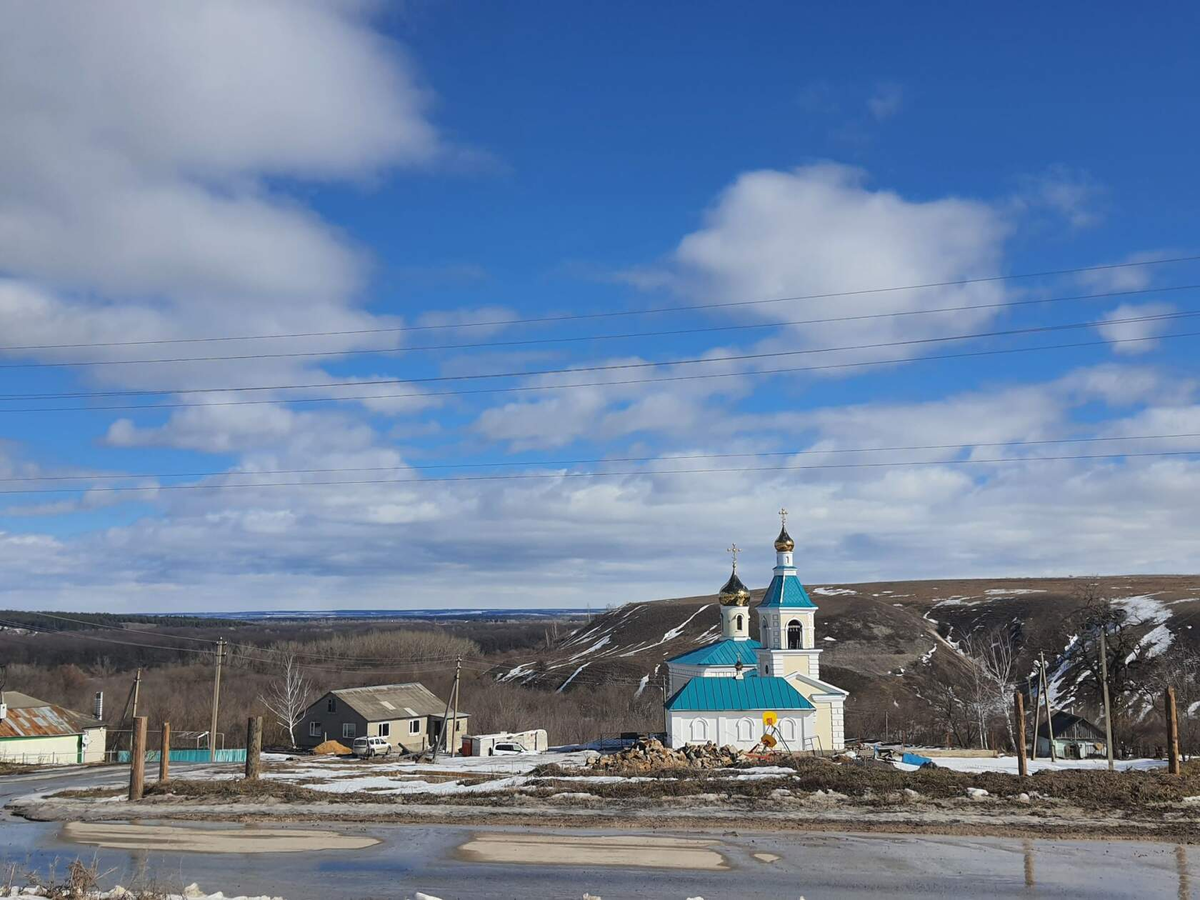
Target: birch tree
pixel 288 696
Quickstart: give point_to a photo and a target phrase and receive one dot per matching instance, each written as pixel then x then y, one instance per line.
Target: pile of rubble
pixel 651 754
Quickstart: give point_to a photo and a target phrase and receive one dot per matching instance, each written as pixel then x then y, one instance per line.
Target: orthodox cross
pixel 783 516
pixel 735 550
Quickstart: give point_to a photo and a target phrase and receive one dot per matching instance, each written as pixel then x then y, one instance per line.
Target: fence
pixel 70 758
pixel 187 756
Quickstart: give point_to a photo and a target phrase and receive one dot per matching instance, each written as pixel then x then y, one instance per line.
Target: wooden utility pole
pixel 1172 732
pixel 454 723
pixel 1019 712
pixel 253 747
pixel 216 703
pixel 1049 714
pixel 137 759
pixel 137 689
pixel 164 753
pixel 1108 741
pixel 444 737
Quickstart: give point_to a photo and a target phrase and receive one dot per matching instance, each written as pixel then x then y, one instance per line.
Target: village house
pixel 1074 738
pixel 742 692
pixel 408 715
pixel 40 733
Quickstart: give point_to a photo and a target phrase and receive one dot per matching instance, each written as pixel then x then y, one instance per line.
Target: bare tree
pixel 288 696
pixel 994 656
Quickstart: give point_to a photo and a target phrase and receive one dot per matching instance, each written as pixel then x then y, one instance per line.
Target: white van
pixel 367 747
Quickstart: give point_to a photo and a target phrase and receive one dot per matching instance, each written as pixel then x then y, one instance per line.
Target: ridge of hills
pixel 888 642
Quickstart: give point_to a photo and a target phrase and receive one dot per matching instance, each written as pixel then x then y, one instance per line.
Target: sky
pixel 453 304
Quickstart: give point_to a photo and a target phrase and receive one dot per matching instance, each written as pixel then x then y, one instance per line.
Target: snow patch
pixel 572 678
pixel 832 592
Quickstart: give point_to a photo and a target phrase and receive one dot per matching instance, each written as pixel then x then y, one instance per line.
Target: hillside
pixel 889 643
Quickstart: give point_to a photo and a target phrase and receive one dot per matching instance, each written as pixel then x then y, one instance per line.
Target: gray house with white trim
pixel 409 716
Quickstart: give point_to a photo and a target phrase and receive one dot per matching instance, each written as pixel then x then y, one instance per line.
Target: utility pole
pixel 1019 712
pixel 1108 741
pixel 444 737
pixel 454 721
pixel 216 703
pixel 253 748
pixel 137 689
pixel 164 754
pixel 1049 714
pixel 137 759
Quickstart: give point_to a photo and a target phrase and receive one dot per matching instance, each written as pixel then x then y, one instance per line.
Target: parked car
pixel 508 748
pixel 367 747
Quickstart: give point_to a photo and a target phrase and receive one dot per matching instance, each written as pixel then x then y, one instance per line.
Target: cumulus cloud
pixel 1139 334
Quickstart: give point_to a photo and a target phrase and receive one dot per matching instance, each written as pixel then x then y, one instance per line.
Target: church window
pixel 739 623
pixel 745 730
pixel 699 730
pixel 794 635
pixel 787 729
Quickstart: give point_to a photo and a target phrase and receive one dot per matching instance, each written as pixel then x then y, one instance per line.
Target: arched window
pixel 699 730
pixel 795 635
pixel 739 623
pixel 787 730
pixel 745 730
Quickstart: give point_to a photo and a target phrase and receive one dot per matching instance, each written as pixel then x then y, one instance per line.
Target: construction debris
pixel 648 755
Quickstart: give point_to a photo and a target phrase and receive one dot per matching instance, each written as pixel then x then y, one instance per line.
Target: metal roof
pixel 722 653
pixel 749 693
pixel 30 717
pixel 386 702
pixel 787 591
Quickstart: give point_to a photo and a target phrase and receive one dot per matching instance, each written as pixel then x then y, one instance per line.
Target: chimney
pixel 98 705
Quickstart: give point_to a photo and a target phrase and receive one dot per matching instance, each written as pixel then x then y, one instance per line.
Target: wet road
pixel 748 866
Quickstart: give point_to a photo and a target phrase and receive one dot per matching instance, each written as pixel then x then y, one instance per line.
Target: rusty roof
pixel 30 717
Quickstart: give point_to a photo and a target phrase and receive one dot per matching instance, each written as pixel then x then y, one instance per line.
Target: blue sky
pixel 247 168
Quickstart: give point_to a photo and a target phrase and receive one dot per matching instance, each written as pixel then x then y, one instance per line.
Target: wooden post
pixel 253 747
pixel 1019 712
pixel 137 759
pixel 164 753
pixel 1172 733
pixel 1108 741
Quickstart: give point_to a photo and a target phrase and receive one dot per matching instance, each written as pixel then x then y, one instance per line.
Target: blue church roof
pixel 787 591
pixel 721 653
pixel 752 692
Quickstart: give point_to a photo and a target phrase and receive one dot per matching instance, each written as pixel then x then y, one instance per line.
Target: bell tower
pixel 787 617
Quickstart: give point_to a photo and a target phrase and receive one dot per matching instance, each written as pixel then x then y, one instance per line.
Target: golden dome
pixel 784 542
pixel 734 593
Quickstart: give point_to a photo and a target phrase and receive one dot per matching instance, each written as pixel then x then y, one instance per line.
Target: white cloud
pixel 1067 194
pixel 1139 333
pixel 886 101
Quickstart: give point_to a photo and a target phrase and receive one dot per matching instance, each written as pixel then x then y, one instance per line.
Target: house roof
pixel 721 653
pixel 31 717
pixel 385 702
pixel 752 692
pixel 1071 727
pixel 787 591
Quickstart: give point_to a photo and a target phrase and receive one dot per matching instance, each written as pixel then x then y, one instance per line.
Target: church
pixel 721 691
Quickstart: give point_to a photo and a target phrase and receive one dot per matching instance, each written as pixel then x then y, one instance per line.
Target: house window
pixel 385 729
pixel 794 635
pixel 314 729
pixel 332 705
pixel 414 726
pixel 349 729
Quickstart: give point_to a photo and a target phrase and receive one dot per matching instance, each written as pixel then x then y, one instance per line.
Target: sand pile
pixel 332 748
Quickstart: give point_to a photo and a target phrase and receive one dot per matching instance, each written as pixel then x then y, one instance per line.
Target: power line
pixel 584 338
pixel 617 313
pixel 565 475
pixel 1038 329
pixel 591 461
pixel 521 389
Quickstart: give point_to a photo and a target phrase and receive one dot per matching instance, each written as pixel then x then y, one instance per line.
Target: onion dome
pixel 784 542
pixel 734 593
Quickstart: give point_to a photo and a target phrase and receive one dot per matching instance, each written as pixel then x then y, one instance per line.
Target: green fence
pixel 188 756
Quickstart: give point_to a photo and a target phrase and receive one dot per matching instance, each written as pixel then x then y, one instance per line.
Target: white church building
pixel 720 692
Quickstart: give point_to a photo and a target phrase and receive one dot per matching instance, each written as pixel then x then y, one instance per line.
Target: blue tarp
pixel 914 759
pixel 188 756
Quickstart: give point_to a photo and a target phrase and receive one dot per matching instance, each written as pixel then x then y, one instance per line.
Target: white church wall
pixel 742 729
